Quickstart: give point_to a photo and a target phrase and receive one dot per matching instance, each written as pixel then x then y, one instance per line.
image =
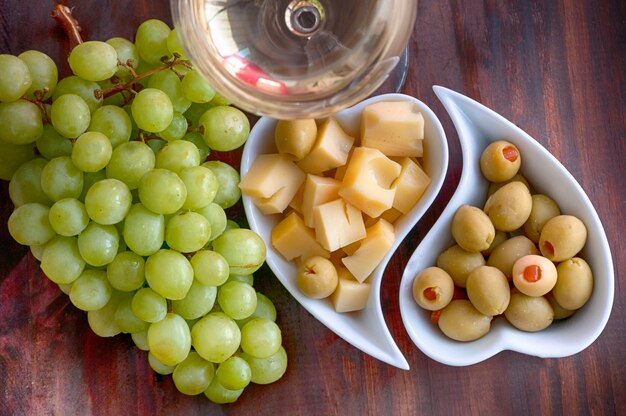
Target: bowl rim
pixel 506 338
pixel 396 359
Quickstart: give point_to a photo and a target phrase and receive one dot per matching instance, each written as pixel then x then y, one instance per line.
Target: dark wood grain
pixel 555 68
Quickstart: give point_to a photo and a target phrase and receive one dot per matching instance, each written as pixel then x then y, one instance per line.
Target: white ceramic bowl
pixel 477 126
pixel 366 329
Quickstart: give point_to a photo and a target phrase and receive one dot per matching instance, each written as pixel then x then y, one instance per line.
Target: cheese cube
pixel 272 180
pixel 350 294
pixel 380 237
pixel 296 201
pixel 330 149
pixel 394 127
pixel 337 224
pixel 292 239
pixel 340 172
pixel 368 180
pixel 410 185
pixel 317 190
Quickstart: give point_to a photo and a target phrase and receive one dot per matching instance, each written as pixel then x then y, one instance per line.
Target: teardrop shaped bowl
pixel 365 329
pixel 477 126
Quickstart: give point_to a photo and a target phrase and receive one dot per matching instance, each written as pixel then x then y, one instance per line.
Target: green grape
pixel 229 193
pixel 152 110
pixel 29 224
pixel 113 122
pixel 264 309
pixel 61 179
pixel 93 60
pixel 225 128
pixel 151 40
pixel 70 115
pixel 142 68
pixel 102 321
pixel 216 216
pixel 92 151
pixel 37 250
pixel 15 78
pixel 174 44
pixel 65 288
pixel 21 122
pixel 12 156
pixel 158 367
pixel 237 299
pixel 129 162
pixel 197 303
pixel 177 155
pixel 234 373
pixel 108 201
pixel 193 375
pixel 195 112
pixel 215 337
pixel 68 217
pixel 162 191
pixel 169 273
pixel 247 279
pixel 209 268
pixel 220 100
pixel 243 249
pixel 43 71
pixel 169 339
pixel 148 305
pixel 156 145
pixel 144 230
pixel 196 88
pixel 197 139
pixel 201 184
pixel 51 144
pixel 232 225
pixel 89 178
pixel 125 319
pixel 81 87
pixel 98 244
pixel 187 232
pixel 169 83
pixel 177 128
pixel 126 51
pixel 191 322
pixel 25 185
pixel 117 99
pixel 221 395
pixel 91 291
pixel 126 271
pixel 260 338
pixel 61 260
pixel 141 340
pixel 267 370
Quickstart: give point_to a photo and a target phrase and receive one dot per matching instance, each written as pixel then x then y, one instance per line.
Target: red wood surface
pixel 555 68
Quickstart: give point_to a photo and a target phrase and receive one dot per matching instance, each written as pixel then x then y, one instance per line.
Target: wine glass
pixel 295 58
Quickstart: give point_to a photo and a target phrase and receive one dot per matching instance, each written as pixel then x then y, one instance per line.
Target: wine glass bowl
pixel 294 58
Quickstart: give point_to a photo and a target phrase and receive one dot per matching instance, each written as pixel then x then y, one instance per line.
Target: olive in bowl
pixel 477 127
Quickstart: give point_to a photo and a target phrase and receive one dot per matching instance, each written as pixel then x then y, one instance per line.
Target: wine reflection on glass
pixel 296 58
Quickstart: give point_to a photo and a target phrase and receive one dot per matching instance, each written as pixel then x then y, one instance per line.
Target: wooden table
pixel 555 68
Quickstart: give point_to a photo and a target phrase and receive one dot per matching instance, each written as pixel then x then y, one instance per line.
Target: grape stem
pixel 63 15
pixel 129 86
pixel 38 100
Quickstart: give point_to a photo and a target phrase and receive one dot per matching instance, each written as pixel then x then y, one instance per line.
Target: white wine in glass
pixel 295 58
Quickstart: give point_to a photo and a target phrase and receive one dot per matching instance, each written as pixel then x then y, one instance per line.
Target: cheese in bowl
pixel 364 328
pixel 339 195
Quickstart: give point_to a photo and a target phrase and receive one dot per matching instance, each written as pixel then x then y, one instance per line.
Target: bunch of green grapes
pixel 114 196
